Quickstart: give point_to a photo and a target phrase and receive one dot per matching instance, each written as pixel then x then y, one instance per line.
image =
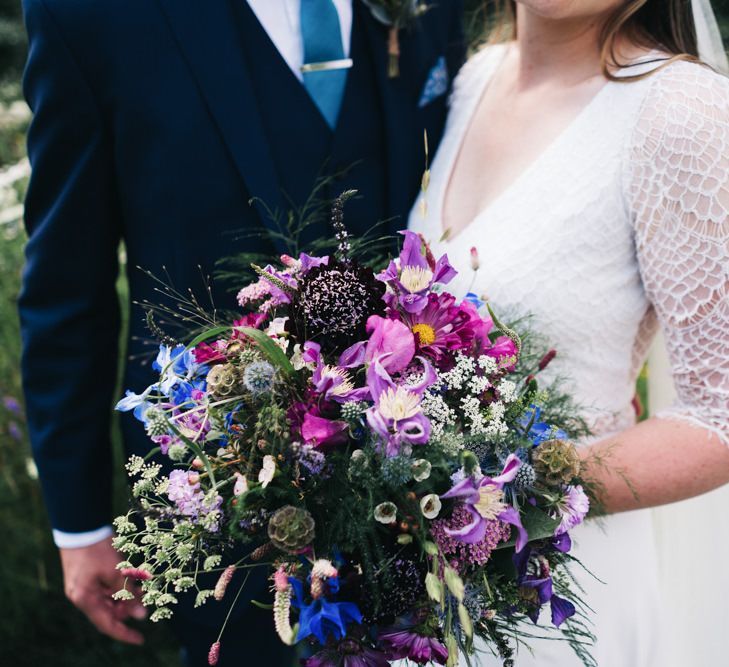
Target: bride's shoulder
pixel 690 88
pixel 683 99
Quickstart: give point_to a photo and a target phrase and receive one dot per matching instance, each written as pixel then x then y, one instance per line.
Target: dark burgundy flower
pixel 347 653
pixel 333 304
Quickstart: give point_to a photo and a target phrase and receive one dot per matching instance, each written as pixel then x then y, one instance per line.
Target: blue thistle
pixel 258 377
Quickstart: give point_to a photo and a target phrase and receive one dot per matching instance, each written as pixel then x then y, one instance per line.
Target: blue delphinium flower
pixel 321 617
pixel 474 300
pixel 137 403
pixel 180 373
pixel 540 432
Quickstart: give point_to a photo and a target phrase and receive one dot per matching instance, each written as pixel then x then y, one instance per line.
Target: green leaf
pixel 268 346
pixel 404 539
pixel 538 524
pixel 207 335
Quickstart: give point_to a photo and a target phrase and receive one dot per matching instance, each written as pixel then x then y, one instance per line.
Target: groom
pixel 156 122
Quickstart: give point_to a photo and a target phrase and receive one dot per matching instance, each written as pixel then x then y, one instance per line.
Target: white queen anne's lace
pixel 620 226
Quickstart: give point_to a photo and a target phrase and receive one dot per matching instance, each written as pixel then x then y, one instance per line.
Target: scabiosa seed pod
pixel 223 582
pixel 258 377
pixel 556 461
pixel 525 477
pixel 223 380
pixel 291 529
pixel 214 654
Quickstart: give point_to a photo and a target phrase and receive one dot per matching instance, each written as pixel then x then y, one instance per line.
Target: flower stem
pixel 235 601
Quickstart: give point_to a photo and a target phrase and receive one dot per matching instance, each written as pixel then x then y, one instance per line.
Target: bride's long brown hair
pixel 667 25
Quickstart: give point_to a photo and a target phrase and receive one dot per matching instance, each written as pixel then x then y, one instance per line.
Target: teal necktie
pixel 322 37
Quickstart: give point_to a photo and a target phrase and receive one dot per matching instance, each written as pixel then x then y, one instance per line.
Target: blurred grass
pixel 38 626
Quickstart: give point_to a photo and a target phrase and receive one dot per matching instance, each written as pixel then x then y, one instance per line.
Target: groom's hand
pixel 90 579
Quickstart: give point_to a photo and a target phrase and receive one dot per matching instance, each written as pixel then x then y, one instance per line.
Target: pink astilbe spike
pixel 223 582
pixel 214 654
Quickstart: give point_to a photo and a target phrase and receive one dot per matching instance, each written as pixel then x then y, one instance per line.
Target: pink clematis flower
pixel 391 341
pixel 335 382
pixel 319 431
pixel 413 279
pixel 397 416
pixel 485 502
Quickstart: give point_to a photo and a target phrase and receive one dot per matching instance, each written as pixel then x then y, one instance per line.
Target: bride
pixel 586 160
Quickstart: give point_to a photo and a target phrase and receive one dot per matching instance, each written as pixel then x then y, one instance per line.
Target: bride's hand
pixel 90 579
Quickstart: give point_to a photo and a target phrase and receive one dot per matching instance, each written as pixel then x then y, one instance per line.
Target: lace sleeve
pixel 679 195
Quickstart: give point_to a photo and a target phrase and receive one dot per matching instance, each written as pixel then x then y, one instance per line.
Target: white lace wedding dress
pixel 619 227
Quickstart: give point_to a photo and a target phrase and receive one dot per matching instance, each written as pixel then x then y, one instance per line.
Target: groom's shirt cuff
pixel 80 540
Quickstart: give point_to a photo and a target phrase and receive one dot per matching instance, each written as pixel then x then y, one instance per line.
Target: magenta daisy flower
pixel 443 327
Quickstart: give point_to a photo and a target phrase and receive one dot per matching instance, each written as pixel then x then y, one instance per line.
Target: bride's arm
pixel 678 192
pixel 656 462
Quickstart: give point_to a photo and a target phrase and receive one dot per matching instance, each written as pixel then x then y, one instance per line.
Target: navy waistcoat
pixel 306 152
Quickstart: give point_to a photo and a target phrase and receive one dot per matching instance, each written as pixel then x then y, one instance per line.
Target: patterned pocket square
pixel 436 84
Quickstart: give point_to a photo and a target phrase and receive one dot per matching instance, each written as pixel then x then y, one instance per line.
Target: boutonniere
pixel 395 14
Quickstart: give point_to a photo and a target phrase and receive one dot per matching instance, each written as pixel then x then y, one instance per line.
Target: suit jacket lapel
pixel 399 117
pixel 206 34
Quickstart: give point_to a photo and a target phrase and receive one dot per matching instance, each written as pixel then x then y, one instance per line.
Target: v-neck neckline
pixel 466 122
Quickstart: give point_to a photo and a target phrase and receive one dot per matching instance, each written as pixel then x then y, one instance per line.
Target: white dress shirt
pixel 281 20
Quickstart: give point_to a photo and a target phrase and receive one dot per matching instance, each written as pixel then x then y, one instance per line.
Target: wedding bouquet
pixel 381 447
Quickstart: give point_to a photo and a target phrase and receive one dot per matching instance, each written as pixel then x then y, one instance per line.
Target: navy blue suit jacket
pixel 147 130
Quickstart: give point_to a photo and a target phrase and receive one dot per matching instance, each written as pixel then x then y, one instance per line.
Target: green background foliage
pixel 37 626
